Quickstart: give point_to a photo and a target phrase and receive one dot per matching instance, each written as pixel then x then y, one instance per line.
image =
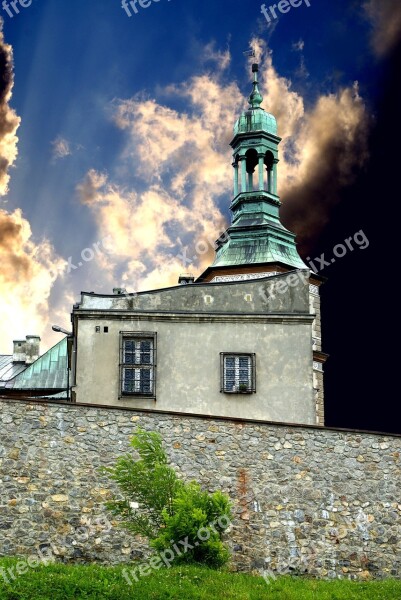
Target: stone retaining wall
pixel 321 500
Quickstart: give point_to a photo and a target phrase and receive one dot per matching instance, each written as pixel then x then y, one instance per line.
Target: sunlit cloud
pixel 164 221
pixel 322 151
pixel 182 163
pixel 221 59
pixel 28 272
pixel 169 222
pixel 28 268
pixel 385 17
pixel 9 120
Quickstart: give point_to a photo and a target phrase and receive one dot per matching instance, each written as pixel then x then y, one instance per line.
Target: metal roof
pixel 256 120
pixel 48 372
pixel 248 251
pixel 8 368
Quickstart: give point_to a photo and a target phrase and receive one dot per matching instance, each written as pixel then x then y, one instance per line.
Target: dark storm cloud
pixel 9 121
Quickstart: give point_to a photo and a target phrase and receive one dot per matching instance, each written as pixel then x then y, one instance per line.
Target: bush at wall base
pixel 174 515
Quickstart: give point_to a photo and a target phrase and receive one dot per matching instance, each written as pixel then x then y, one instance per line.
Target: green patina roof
pixel 256 235
pixel 48 372
pixel 256 119
pixel 245 251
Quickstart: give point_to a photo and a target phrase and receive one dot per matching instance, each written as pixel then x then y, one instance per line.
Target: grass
pixel 94 582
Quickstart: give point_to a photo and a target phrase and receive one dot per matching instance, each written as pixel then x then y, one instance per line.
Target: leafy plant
pixel 149 483
pixel 175 516
pixel 198 519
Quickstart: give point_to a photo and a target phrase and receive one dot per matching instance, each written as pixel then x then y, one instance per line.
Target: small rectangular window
pixel 105 330
pixel 138 364
pixel 238 373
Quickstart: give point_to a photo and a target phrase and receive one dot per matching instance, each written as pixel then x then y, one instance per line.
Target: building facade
pixel 243 340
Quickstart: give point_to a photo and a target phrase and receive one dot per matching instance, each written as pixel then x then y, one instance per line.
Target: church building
pixel 242 340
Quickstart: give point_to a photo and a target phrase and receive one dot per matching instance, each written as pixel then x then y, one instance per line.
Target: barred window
pixel 138 364
pixel 238 373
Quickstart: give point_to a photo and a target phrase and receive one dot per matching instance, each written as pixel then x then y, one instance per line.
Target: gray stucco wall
pixel 194 324
pixel 188 367
pixel 319 500
pixel 283 293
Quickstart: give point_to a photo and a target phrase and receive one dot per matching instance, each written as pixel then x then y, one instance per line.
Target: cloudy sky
pixel 114 134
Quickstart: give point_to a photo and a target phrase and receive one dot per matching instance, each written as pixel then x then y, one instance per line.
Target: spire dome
pixel 255 118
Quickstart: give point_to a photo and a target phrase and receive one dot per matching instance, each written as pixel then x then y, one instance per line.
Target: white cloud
pixel 322 150
pixel 28 272
pixel 61 148
pixel 182 162
pixel 9 121
pixel 28 268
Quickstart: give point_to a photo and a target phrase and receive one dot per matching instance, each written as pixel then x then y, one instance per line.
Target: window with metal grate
pixel 238 373
pixel 138 363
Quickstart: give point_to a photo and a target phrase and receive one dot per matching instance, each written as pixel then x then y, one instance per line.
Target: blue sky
pixel 84 73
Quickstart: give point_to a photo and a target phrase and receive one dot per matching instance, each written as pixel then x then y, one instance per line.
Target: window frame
pixel 137 336
pixel 251 356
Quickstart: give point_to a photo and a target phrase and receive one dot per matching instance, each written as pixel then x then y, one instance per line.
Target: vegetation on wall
pixel 183 523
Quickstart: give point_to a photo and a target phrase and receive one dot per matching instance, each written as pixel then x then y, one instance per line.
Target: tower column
pixel 243 174
pixel 275 178
pixel 270 180
pixel 236 182
pixel 250 182
pixel 261 174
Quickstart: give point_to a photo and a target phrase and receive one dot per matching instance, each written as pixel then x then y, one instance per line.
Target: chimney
pixel 19 354
pixel 26 351
pixel 32 348
pixel 119 291
pixel 186 279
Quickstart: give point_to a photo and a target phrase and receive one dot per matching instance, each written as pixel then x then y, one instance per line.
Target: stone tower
pixel 256 244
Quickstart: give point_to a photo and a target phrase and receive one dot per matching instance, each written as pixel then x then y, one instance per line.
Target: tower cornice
pixel 254 135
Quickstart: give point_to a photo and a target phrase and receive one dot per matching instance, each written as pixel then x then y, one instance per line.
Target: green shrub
pixel 149 482
pixel 176 517
pixel 198 519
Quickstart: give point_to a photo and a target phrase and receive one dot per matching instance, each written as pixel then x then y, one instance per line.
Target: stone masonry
pixel 318 378
pixel 322 501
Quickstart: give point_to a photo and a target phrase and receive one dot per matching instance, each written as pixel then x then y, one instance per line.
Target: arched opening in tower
pixel 269 163
pixel 251 163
